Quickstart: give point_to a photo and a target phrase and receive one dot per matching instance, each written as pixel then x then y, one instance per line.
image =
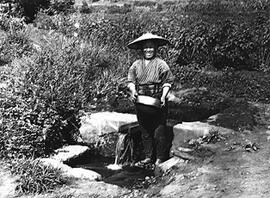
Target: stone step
pixel 193 130
pixel 78 173
pixel 97 124
pixel 70 152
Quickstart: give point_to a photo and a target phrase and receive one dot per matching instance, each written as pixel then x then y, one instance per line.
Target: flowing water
pixel 119 147
pixel 116 171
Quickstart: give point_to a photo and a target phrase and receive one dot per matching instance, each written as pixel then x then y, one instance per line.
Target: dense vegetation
pixel 77 60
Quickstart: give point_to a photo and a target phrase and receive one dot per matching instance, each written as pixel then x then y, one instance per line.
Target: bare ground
pixel 235 170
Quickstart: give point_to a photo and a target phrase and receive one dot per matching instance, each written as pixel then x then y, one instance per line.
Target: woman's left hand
pixel 163 101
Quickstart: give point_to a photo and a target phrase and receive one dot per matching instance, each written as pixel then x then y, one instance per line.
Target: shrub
pixel 16 42
pixel 85 8
pixel 15 45
pixel 66 75
pixel 40 112
pixel 56 77
pixel 21 131
pixel 144 3
pixel 251 86
pixel 34 177
pixel 114 9
pixel 61 6
pixel 159 7
pixel 169 3
pixel 45 22
pixel 225 44
pixel 30 8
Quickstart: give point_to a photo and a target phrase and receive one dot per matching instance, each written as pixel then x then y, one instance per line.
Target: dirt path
pixel 231 172
pixel 234 171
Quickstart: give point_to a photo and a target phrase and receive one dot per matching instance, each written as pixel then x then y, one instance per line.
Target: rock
pixel 7 184
pixel 81 173
pixel 182 155
pixel 167 165
pixel 68 171
pixel 101 130
pixel 68 153
pixel 193 130
pixel 54 164
pixel 97 124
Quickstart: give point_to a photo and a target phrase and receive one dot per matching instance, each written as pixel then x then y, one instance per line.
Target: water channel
pixel 113 170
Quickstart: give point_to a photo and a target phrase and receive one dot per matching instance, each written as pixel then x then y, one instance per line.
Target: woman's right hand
pixel 133 92
pixel 133 96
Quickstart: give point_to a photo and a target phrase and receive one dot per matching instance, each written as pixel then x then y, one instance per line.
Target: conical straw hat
pixel 158 40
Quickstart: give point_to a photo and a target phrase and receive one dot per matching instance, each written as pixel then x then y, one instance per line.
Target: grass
pixel 34 177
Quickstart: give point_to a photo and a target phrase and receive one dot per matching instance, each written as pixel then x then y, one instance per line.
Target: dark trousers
pixel 152 121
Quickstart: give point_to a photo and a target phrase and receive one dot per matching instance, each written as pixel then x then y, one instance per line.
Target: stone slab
pixel 167 165
pixel 78 173
pixel 193 130
pixel 97 124
pixel 69 152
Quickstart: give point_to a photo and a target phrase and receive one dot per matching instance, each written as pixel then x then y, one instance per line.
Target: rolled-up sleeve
pixel 132 74
pixel 166 76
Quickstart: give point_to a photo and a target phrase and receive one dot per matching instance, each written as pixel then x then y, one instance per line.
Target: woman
pixel 148 77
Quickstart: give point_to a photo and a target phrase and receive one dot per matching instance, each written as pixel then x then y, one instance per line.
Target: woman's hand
pixel 133 92
pixel 133 95
pixel 165 92
pixel 163 101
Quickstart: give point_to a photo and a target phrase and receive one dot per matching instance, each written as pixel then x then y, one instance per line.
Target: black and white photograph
pixel 134 98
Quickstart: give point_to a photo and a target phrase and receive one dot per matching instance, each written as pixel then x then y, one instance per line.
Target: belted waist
pixel 153 90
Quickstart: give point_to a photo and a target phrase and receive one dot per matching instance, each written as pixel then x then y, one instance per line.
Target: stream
pixel 111 169
pixel 127 176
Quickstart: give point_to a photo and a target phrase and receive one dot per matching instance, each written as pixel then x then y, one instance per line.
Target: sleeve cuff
pixel 131 85
pixel 167 85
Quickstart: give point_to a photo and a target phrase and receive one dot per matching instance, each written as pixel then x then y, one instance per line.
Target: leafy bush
pixel 221 8
pixel 40 107
pixel 21 131
pixel 60 6
pixel 34 177
pixel 85 8
pixel 15 45
pixel 65 76
pixel 114 9
pixel 144 3
pixel 57 80
pixel 169 3
pixel 238 41
pixel 16 42
pixel 44 21
pixel 251 86
pixel 27 8
pixel 222 45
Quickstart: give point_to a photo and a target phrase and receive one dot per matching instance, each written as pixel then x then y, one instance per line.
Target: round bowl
pixel 148 100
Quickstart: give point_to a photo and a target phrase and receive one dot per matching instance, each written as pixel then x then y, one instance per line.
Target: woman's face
pixel 149 50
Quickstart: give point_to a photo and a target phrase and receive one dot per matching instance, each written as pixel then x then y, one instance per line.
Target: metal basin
pixel 147 100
